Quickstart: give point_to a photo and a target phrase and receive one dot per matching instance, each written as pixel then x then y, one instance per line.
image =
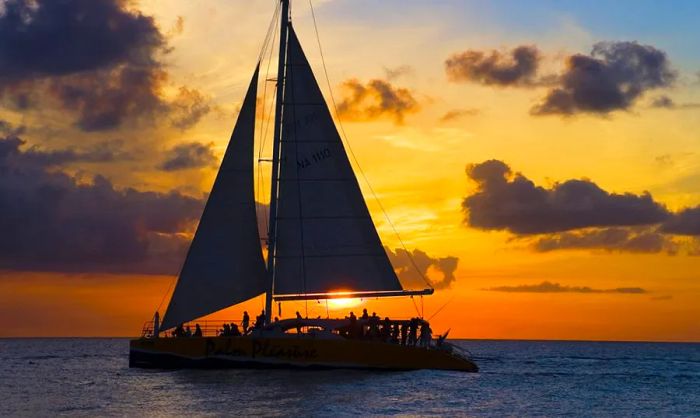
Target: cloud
pixel 517 67
pixel 608 239
pixel 188 108
pixel 98 61
pixel 400 71
pixel 665 102
pixel 507 201
pixel 52 222
pixel 376 99
pixel 549 287
pixel 612 77
pixel 685 222
pixel 108 151
pixel 413 268
pixel 455 114
pixel 190 155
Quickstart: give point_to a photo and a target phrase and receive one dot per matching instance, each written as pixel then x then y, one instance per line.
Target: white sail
pixel 325 239
pixel 224 265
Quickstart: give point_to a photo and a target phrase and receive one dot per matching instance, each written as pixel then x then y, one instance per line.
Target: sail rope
pixel 352 153
pixel 265 123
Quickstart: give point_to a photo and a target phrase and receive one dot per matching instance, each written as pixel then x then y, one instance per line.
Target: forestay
pixel 325 238
pixel 224 265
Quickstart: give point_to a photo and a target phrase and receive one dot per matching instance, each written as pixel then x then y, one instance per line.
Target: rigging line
pixel 267 74
pixel 269 31
pixel 415 306
pixel 441 308
pixel 264 127
pixel 352 153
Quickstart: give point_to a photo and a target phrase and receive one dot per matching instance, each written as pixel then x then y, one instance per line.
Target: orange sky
pixel 415 160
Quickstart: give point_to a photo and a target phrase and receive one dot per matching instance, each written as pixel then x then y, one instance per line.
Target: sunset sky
pixel 540 160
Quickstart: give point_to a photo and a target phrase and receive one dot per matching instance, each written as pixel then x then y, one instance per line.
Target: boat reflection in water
pixel 320 238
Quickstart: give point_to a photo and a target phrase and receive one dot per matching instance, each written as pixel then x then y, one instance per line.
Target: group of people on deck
pixel 227 330
pixel 182 331
pixel 396 332
pixel 413 332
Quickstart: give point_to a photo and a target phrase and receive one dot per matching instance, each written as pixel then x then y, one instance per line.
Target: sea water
pixel 91 377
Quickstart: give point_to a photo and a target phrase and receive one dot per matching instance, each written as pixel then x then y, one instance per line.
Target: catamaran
pixel 321 244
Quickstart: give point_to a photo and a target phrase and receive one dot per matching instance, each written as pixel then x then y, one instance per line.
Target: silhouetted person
pixel 179 331
pixel 353 325
pixel 426 334
pixel 386 330
pixel 395 334
pixel 260 320
pixel 373 325
pixel 299 318
pixel 365 316
pixel 197 330
pixel 234 331
pixel 413 332
pixel 226 330
pixel 188 331
pixel 404 333
pixel 246 322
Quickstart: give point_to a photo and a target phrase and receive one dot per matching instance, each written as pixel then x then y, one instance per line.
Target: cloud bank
pixel 53 222
pixel 507 201
pixel 549 287
pixel 98 61
pixel 575 214
pixel 612 77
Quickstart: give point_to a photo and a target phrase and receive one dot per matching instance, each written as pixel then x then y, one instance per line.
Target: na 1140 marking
pixel 316 157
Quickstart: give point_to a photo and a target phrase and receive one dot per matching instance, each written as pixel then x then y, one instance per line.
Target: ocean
pixel 90 377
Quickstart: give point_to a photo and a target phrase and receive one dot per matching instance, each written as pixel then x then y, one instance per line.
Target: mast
pixel 276 159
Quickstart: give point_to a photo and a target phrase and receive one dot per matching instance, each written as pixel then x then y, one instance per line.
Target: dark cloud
pixel 608 239
pixel 516 67
pixel 413 268
pixel 191 155
pixel 51 222
pixel 377 98
pixel 549 287
pixel 188 108
pixel 507 201
pixel 99 153
pixel 98 61
pixel 611 78
pixel 47 38
pixel 400 71
pixel 685 222
pixel 665 102
pixel 6 128
pixel 455 114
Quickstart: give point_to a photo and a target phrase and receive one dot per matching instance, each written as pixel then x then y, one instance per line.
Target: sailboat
pixel 321 244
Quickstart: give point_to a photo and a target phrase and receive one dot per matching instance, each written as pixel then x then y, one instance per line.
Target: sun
pixel 343 303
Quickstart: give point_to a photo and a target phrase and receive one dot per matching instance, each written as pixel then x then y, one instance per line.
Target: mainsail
pixel 224 265
pixel 325 239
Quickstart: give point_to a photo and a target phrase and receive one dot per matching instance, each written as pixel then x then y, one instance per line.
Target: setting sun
pixel 343 303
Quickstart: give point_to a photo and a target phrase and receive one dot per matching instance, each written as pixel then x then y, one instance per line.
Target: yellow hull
pixel 284 352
